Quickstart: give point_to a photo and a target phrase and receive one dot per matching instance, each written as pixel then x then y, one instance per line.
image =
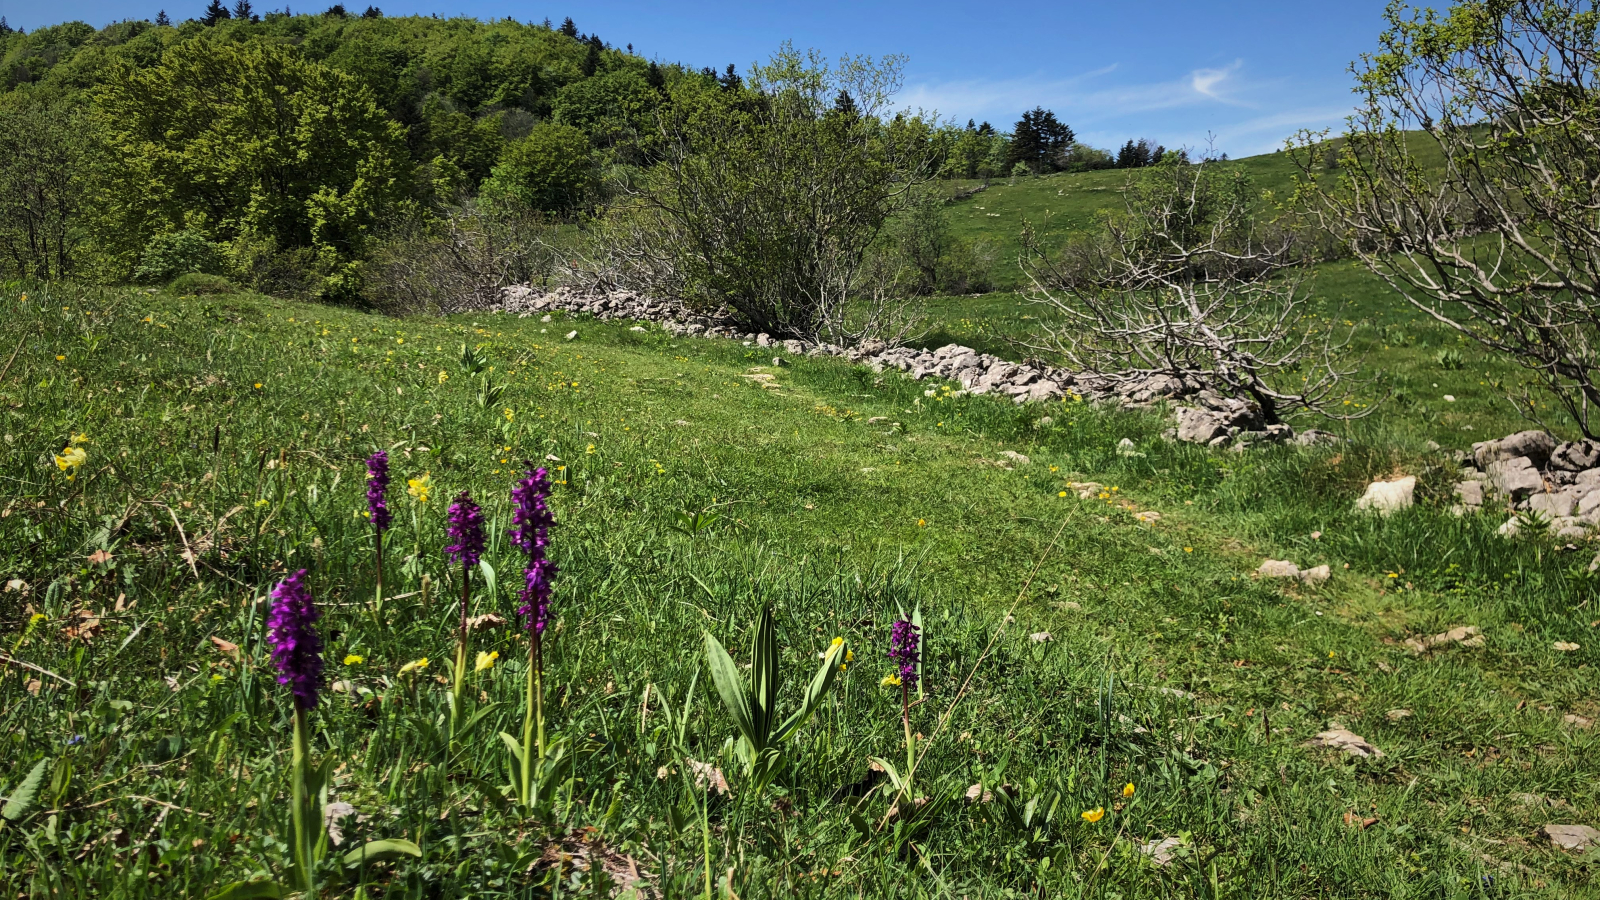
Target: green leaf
pixel 514 745
pixel 763 680
pixel 922 648
pixel 815 692
pixel 730 687
pixel 25 795
pixel 490 579
pixel 892 772
pixel 250 890
pixel 381 851
pixel 476 718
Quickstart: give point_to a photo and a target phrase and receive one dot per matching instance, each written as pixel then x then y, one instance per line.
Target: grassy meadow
pixel 1071 649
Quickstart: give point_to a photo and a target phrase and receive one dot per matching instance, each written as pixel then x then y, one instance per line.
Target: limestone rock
pixel 1162 852
pixel 1571 837
pixel 1535 445
pixel 1516 477
pixel 1314 575
pixel 1278 568
pixel 1200 426
pixel 1470 492
pixel 1352 744
pixel 1387 496
pixel 1576 456
pixel 1554 505
pixel 1016 457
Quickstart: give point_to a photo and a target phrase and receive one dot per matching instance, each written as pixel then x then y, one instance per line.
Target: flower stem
pixel 377 546
pixel 461 649
pixel 905 721
pixel 529 714
pixel 300 812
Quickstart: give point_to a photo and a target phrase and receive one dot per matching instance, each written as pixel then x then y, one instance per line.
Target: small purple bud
pixel 296 647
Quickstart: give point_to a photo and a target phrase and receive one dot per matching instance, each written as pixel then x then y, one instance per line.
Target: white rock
pixel 1016 457
pixel 1571 837
pixel 1314 575
pixel 1278 568
pixel 571 335
pixel 1352 744
pixel 1387 496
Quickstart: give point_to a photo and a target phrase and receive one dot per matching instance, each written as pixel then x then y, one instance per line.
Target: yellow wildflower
pixel 71 458
pixel 1093 815
pixel 262 502
pixel 921 523
pixel 443 376
pixel 419 487
pixel 510 415
pixel 354 659
pixel 1127 789
pixel 79 438
pixel 486 660
pixel 35 619
pixel 891 680
pixel 589 449
pixel 416 665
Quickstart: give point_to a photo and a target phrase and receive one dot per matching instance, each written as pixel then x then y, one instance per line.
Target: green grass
pixel 234 428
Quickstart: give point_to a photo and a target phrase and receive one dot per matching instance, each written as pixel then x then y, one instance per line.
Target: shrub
pixel 201 283
pixel 550 170
pixel 170 255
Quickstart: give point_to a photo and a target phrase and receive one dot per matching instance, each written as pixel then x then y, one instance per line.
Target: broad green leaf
pixel 490 579
pixel 922 648
pixel 763 680
pixel 250 890
pixel 477 717
pixel 815 692
pixel 514 745
pixel 25 795
pixel 730 687
pixel 892 772
pixel 381 851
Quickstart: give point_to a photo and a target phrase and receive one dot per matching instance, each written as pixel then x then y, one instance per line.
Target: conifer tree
pixel 5 29
pixel 568 28
pixel 215 13
pixel 591 59
pixel 730 79
pixel 162 20
pixel 1039 140
pixel 242 10
pixel 653 76
pixel 372 12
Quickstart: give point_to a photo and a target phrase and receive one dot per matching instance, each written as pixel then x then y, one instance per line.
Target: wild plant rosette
pixel 296 646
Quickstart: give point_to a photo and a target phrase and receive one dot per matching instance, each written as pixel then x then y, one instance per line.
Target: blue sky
pixel 1251 73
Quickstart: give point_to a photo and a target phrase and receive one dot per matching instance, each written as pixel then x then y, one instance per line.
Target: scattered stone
pixel 877 420
pixel 1566 646
pixel 1557 505
pixel 1311 437
pixel 1039 637
pixel 571 335
pixel 1162 852
pixel 638 328
pixel 1314 575
pixel 705 773
pixel 1278 568
pixel 1576 456
pixel 1016 457
pixel 333 814
pixel 1387 496
pixel 779 361
pixel 1351 744
pixel 1577 721
pixel 1395 715
pixel 976 794
pixel 1465 635
pixel 1148 517
pixel 1570 837
pixel 1085 489
pixel 1471 493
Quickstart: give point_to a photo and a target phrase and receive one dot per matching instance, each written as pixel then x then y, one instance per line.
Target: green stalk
pixel 300 762
pixel 911 745
pixel 461 650
pixel 528 715
pixel 377 544
pixel 538 674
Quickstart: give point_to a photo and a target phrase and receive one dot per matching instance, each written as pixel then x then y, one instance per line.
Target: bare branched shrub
pixel 1468 182
pixel 1186 283
pixel 461 260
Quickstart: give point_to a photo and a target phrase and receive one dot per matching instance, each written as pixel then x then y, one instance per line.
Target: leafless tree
pixel 461 261
pixel 1185 282
pixel 1470 182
